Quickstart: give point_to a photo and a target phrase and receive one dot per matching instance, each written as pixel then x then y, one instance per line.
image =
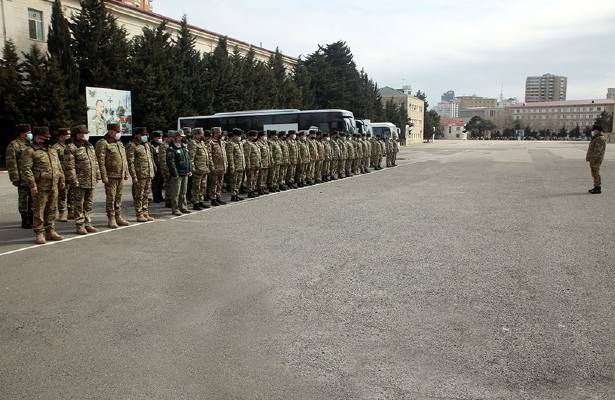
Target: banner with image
pixel 108 106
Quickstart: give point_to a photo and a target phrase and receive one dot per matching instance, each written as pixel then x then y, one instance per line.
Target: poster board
pixel 108 106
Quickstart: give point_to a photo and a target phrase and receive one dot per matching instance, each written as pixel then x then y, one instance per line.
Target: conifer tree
pixel 220 75
pixel 11 88
pixel 186 61
pixel 249 79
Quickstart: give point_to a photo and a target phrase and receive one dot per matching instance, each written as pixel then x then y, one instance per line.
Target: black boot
pixel 234 198
pixel 197 207
pixel 596 190
pixel 25 221
pixel 214 203
pixel 203 206
pixel 220 202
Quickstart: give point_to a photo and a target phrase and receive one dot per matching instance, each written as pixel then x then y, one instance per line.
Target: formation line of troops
pixel 56 174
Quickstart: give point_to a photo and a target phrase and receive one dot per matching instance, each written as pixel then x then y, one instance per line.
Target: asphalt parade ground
pixel 473 270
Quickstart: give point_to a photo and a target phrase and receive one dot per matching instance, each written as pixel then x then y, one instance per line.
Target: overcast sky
pixel 470 46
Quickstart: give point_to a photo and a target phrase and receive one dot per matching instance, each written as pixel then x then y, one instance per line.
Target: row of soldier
pixel 63 175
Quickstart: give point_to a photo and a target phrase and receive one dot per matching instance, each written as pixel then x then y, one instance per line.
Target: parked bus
pixel 385 130
pixel 280 120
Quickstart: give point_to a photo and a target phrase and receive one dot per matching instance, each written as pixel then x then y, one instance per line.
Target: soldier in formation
pixel 14 152
pixel 65 203
pixel 202 165
pixel 180 168
pixel 157 181
pixel 142 170
pixel 220 163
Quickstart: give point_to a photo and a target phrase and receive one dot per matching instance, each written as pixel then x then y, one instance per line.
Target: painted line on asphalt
pixel 159 220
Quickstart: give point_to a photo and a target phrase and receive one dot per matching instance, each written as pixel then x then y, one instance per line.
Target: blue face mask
pixel 143 139
pixel 29 136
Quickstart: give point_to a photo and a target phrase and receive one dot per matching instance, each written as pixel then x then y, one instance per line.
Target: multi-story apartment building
pixel 415 108
pixel 449 96
pixel 475 101
pixel 547 87
pixel 26 23
pixel 555 115
pixel 610 93
pixel 448 109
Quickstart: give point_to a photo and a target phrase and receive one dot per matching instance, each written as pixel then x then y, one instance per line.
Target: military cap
pixel 318 133
pixel 79 129
pixel 40 131
pixel 139 131
pixel 261 134
pixel 325 133
pixel 20 128
pixel 180 133
pixel 301 133
pixel 197 131
pixel 60 132
pixel 597 127
pixel 157 134
pixel 113 127
pixel 236 132
pixel 171 133
pixel 207 133
pixel 216 129
pixel 281 133
pixel 292 132
pixel 252 132
pixel 272 132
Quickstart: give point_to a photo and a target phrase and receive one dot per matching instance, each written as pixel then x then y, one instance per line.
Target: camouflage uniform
pixel 220 163
pixel 335 156
pixel 157 182
pixel 65 202
pixel 178 161
pixel 82 172
pixel 202 165
pixel 388 152
pixel 276 162
pixel 293 160
pixel 252 155
pixel 367 151
pixel 236 165
pixel 313 148
pixel 341 160
pixel 595 155
pixel 326 165
pixel 320 148
pixel 99 124
pixel 14 152
pixel 142 169
pixel 375 153
pixel 282 182
pixel 266 162
pixel 394 151
pixel 304 162
pixel 113 166
pixel 350 156
pixel 164 169
pixel 40 167
pixel 357 163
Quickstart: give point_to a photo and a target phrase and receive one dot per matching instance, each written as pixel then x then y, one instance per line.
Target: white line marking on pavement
pixel 137 224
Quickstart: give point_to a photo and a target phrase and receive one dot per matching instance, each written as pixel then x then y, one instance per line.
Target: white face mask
pixel 86 137
pixel 118 136
pixel 159 141
pixel 327 138
pixel 294 137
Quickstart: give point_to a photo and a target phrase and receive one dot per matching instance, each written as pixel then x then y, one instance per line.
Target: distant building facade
pixel 452 129
pixel 414 106
pixel 555 115
pixel 547 87
pixel 448 96
pixel 475 101
pixel 610 93
pixel 26 23
pixel 449 109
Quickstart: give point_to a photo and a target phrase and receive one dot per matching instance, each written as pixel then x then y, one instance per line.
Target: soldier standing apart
pixel 41 169
pixel 14 152
pixel 266 162
pixel 595 155
pixel 142 170
pixel 252 154
pixel 236 162
pixel 276 157
pixel 64 202
pixel 154 147
pixel 220 163
pixel 113 167
pixel 167 138
pixel 178 162
pixel 83 173
pixel 202 165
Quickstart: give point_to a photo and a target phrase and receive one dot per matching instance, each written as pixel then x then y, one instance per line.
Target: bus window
pixel 381 131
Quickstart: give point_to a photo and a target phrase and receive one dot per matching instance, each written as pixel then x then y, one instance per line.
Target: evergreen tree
pixel 187 62
pixel 61 57
pixel 100 47
pixel 219 66
pixel 11 88
pixel 236 99
pixel 152 75
pixel 266 90
pixel 303 81
pixel 605 120
pixel 204 94
pixel 249 80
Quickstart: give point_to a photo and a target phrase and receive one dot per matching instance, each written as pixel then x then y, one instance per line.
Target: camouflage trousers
pixel 44 210
pixel 326 168
pixel 83 204
pixel 291 170
pixel 595 170
pixel 394 158
pixel 252 179
pixel 166 184
pixel 357 165
pixel 341 167
pixel 300 174
pixel 24 199
pixel 349 167
pixel 282 174
pixel 215 185
pixel 318 170
pixel 65 199
pixel 157 185
pixel 262 178
pixel 374 161
pixel 179 188
pixel 113 191
pixel 366 163
pixel 199 187
pixel 272 178
pixel 140 194
pixel 389 158
pixel 235 182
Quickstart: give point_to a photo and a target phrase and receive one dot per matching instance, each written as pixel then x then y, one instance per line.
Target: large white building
pixel 555 115
pixel 547 87
pixel 26 23
pixel 415 108
pixel 449 109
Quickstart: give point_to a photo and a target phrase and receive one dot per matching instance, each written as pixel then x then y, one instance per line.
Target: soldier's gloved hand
pixel 105 180
pixel 62 185
pixel 34 190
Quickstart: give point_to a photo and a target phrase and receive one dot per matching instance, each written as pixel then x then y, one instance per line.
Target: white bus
pixel 385 130
pixel 280 120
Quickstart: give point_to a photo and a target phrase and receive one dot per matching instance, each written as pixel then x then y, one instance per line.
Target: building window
pixel 35 23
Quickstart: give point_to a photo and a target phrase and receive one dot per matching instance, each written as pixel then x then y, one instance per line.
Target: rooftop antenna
pixel 502 92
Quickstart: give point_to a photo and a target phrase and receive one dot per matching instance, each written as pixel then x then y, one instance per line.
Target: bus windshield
pixel 381 131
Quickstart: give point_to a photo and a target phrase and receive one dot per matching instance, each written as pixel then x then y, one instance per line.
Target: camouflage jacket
pixel 335 150
pixel 293 152
pixel 252 155
pixel 383 148
pixel 14 152
pixel 343 153
pixel 313 148
pixel 395 146
pixel 376 150
pixel 304 151
pixel 162 158
pixel 140 163
pixel 218 156
pixel 350 153
pixel 111 158
pixel 200 158
pixel 285 152
pixel 60 148
pixel 236 157
pixel 366 148
pixel 155 154
pixel 320 147
pixel 276 152
pixel 596 150
pixel 358 149
pixel 40 167
pixel 266 159
pixel 81 165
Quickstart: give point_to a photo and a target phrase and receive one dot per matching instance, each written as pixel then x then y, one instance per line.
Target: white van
pixel 385 130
